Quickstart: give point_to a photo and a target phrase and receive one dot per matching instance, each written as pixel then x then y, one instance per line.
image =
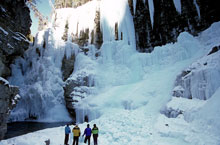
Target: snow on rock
pixel 3 9
pixel 4 81
pixel 3 30
pixel 198 125
pixel 9 98
pixel 179 106
pixel 201 79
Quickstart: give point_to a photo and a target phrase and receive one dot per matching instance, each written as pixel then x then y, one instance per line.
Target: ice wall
pixel 39 74
pixel 39 78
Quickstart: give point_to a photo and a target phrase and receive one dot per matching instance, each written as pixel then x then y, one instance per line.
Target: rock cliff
pixel 8 99
pixel 15 25
pixel 158 22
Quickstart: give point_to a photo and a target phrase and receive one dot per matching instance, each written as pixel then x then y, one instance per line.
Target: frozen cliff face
pixel 39 77
pixel 200 80
pixel 92 26
pixel 158 22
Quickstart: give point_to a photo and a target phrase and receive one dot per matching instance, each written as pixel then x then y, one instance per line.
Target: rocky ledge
pixel 8 100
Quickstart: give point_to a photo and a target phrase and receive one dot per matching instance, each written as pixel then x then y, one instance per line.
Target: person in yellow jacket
pixel 76 134
pixel 95 132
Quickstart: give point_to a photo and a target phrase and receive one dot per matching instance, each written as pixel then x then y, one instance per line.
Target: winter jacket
pixel 76 131
pixel 67 130
pixel 88 132
pixel 95 130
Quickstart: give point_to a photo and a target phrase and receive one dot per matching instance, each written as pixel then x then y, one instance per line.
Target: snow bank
pixel 207 121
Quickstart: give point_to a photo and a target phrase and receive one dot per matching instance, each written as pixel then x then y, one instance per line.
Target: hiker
pixel 95 132
pixel 87 132
pixel 76 134
pixel 67 132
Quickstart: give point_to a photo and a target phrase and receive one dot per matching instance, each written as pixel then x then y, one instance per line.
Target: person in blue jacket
pixel 88 133
pixel 67 132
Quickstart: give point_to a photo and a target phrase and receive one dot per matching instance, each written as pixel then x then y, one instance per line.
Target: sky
pixel 45 9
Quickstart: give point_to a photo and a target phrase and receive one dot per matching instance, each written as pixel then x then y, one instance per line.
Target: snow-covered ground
pixel 131 88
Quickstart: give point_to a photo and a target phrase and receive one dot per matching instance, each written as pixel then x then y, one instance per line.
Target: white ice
pixel 177 4
pixel 3 30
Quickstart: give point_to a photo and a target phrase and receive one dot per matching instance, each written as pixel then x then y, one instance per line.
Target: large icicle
pixel 197 8
pixel 177 4
pixel 134 5
pixel 151 7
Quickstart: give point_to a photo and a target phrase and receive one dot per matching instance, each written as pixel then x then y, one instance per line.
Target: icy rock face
pixel 195 84
pixel 39 77
pixel 168 21
pixel 13 42
pixel 76 90
pixel 8 99
pixel 199 80
pixel 89 26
